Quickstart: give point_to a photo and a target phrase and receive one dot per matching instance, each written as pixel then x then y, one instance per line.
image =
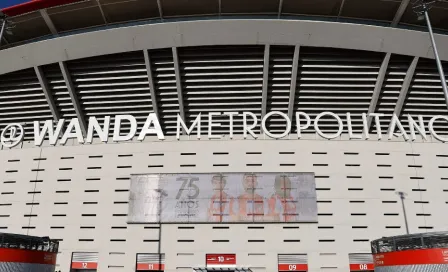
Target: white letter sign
pixel 181 123
pixel 117 128
pixel 272 135
pixel 151 120
pixel 247 128
pixel 328 136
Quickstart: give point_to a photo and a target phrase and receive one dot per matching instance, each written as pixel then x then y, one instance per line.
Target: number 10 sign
pixel 220 260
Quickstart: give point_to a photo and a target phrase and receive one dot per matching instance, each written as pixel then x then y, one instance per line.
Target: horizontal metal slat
pixel 85 257
pixel 360 258
pixel 292 258
pixel 150 258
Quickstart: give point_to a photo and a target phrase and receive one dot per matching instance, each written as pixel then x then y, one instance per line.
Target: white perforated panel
pixel 79 195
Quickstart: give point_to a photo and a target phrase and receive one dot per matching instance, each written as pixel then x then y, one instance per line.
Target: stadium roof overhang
pixel 46 18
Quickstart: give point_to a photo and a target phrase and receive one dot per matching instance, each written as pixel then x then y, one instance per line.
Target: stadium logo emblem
pixel 12 135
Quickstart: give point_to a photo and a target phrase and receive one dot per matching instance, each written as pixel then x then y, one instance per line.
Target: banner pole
pixel 159 246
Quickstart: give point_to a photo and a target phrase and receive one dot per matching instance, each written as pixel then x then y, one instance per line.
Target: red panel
pixel 150 266
pixel 35 5
pixel 292 267
pixel 362 267
pixel 76 265
pixel 26 256
pixel 221 259
pixel 411 257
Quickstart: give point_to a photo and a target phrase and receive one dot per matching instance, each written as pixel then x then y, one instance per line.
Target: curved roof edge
pixel 231 32
pixel 30 6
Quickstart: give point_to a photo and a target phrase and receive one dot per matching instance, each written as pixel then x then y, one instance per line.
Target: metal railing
pixel 25 242
pixel 410 242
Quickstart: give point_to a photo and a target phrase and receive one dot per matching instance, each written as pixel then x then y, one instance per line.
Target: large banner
pixel 222 197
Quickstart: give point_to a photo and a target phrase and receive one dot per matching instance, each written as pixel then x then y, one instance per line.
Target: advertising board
pixel 222 197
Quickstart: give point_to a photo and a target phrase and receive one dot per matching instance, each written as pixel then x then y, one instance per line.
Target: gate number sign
pixel 221 259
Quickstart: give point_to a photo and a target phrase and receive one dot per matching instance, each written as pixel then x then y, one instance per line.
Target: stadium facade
pixel 94 93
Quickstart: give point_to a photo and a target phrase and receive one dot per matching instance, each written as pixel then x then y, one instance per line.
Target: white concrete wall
pixel 379 168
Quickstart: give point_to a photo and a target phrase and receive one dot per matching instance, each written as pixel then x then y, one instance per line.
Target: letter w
pixel 53 135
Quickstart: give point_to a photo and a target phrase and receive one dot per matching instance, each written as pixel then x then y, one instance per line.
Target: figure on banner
pixel 156 198
pixel 251 206
pixel 282 205
pixel 221 206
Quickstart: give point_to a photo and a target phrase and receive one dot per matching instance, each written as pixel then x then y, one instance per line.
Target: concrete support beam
pixel 73 96
pixel 264 99
pixel 159 5
pixel 280 8
pixel 44 85
pixel 292 90
pixel 48 21
pixel 378 87
pixel 405 88
pixel 151 83
pixel 401 9
pixel 178 83
pixel 341 8
pixel 102 11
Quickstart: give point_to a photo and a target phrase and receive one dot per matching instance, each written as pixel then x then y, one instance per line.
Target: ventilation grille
pixel 292 258
pixel 226 79
pixel 113 85
pixel 360 258
pixel 280 72
pixel 222 79
pixel 336 80
pixel 22 101
pixel 164 77
pixel 425 96
pixel 393 82
pixel 85 257
pixel 150 258
pixel 59 91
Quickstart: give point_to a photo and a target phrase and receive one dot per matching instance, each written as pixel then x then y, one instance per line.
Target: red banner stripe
pixel 362 267
pixel 221 259
pixel 412 257
pixel 150 267
pixel 81 265
pixel 292 267
pixel 14 255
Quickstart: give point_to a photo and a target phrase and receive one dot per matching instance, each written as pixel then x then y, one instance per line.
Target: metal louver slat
pixel 361 262
pixel 425 96
pixel 84 261
pixel 292 262
pixel 336 80
pixel 221 79
pixel 229 79
pixel 85 257
pixel 164 77
pixel 58 89
pixel 150 261
pixel 393 81
pixel 292 258
pixel 23 101
pixel 279 83
pixel 112 85
pixel 360 258
pixel 150 258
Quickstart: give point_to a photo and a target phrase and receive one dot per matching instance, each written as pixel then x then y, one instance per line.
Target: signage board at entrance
pixel 220 260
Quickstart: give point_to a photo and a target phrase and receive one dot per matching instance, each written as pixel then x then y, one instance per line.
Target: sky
pixel 8 3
